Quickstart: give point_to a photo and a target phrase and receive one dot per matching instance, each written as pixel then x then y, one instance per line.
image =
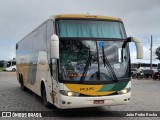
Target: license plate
pixel 98 102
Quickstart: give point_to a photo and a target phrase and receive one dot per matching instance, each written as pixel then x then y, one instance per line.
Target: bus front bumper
pixel 66 102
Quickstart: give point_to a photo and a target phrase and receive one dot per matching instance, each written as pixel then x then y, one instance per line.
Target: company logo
pixel 21 114
pixel 6 114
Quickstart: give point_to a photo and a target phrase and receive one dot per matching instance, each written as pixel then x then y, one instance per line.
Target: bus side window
pixel 13 63
pixel 8 64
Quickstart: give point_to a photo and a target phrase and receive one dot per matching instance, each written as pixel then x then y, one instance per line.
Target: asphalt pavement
pixel 145 97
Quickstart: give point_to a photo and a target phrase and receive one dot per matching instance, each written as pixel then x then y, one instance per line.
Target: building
pixel 143 66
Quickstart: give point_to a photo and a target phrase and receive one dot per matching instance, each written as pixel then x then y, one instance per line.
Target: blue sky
pixel 19 17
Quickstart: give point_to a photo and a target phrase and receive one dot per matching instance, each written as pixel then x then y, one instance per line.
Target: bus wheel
pixel 44 97
pixel 13 70
pixel 22 84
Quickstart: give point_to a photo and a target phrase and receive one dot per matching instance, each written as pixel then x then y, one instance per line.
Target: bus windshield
pixel 91 50
pixel 93 60
pixel 90 29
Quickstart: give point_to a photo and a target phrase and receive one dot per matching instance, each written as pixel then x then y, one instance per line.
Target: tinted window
pixel 13 63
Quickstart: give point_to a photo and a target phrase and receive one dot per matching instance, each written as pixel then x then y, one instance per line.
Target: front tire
pixel 44 97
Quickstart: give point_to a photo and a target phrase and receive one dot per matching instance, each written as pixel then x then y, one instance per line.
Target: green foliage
pixel 1 69
pixel 158 53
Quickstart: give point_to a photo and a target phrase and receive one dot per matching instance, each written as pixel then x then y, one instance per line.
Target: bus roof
pixel 77 16
pixel 84 16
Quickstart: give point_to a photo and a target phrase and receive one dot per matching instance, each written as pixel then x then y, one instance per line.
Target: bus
pixel 9 65
pixel 1 63
pixel 77 61
pixel 143 66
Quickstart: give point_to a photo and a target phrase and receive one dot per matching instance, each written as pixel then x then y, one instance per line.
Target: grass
pixel 1 69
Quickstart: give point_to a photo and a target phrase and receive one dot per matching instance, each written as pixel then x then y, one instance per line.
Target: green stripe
pixel 106 88
pixel 119 86
pixel 113 87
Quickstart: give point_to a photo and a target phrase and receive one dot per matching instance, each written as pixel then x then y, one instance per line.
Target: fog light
pixel 68 103
pixel 63 102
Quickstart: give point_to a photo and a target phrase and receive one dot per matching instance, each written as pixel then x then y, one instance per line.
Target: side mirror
pixel 139 47
pixel 54 47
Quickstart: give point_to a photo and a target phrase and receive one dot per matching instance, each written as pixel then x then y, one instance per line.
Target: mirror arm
pixel 139 47
pixel 125 42
pixel 138 44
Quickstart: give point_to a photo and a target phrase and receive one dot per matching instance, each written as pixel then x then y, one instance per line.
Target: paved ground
pixel 145 97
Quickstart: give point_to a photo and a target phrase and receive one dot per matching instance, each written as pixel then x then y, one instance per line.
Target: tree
pixel 1 63
pixel 158 53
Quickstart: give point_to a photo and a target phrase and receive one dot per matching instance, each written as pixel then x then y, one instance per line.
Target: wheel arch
pixel 42 85
pixel 19 77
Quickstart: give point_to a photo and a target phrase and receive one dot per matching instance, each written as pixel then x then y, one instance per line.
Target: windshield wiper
pixel 108 66
pixel 86 68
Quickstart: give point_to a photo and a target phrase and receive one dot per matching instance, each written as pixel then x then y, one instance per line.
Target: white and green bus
pixel 76 61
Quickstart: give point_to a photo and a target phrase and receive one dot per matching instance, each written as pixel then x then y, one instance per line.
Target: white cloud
pixel 19 17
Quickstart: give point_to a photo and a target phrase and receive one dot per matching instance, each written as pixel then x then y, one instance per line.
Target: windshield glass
pixel 93 60
pixel 91 29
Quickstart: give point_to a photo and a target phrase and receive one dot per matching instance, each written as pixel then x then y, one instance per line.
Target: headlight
pixel 69 93
pixel 124 91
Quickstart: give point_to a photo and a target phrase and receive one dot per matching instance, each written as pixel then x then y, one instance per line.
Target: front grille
pixel 83 95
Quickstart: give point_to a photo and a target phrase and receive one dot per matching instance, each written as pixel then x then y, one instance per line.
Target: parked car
pixel 9 65
pixel 156 75
pixel 148 72
pixel 134 71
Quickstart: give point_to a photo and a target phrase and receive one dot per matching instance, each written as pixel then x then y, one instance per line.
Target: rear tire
pixel 13 70
pixel 44 97
pixel 22 83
